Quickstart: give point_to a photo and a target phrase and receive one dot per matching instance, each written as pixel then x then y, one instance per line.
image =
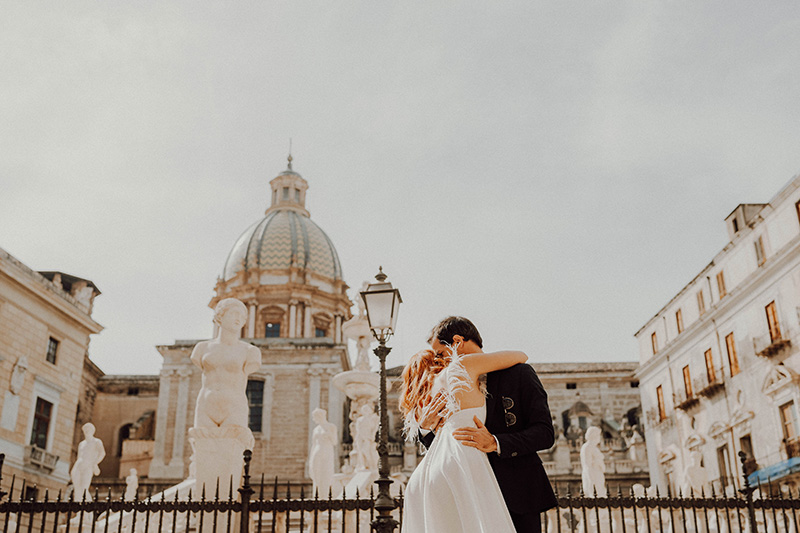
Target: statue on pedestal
pixel 593 466
pixel 366 452
pixel 131 485
pixel 322 457
pixel 220 434
pixel 695 476
pixel 90 453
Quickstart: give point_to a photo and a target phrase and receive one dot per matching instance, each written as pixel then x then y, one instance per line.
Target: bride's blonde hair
pixel 418 376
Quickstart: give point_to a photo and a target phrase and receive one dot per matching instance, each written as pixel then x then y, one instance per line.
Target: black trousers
pixel 527 522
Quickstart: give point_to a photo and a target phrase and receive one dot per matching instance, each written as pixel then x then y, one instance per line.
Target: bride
pixel 453 489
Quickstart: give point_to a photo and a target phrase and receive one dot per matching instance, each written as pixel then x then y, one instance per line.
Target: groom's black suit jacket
pixel 517 467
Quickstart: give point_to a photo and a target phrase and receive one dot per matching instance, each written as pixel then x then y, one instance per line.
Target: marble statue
pixel 226 362
pixel 18 375
pixel 220 434
pixel 90 453
pixel 695 476
pixel 131 485
pixel 366 451
pixel 593 466
pixel 321 460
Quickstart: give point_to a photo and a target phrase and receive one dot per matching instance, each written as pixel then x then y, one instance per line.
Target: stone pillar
pixel 266 408
pixel 337 332
pixel 157 465
pixel 335 409
pixel 175 468
pixel 314 393
pixel 292 318
pixel 307 333
pixel 251 319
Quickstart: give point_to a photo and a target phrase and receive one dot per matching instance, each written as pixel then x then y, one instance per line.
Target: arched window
pixel 124 434
pixel 255 401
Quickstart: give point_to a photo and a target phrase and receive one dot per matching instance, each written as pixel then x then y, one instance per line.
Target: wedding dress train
pixel 453 489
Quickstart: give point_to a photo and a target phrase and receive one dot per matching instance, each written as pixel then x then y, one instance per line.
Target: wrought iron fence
pixel 273 507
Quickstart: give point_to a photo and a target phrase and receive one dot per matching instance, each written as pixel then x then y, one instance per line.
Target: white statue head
pixel 593 435
pixel 319 415
pixel 638 490
pixel 133 472
pixel 230 312
pixel 88 430
pixel 367 409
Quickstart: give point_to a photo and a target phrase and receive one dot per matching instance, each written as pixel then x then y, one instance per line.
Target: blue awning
pixel 774 472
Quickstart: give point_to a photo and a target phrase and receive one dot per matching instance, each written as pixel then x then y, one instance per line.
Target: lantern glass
pixel 382 303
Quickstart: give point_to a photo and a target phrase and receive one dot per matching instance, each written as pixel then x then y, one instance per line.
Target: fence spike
pixel 11 490
pixel 302 493
pixel 288 490
pixel 216 491
pixel 59 495
pixel 261 489
pixel 230 487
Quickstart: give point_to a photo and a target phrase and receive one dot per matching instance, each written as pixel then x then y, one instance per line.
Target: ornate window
pixel 255 402
pixel 41 423
pixel 761 257
pixel 710 366
pixel 789 420
pixel 733 361
pixel 772 321
pixel 662 411
pixel 721 284
pixel 687 381
pixel 319 332
pixel 52 349
pixel 272 329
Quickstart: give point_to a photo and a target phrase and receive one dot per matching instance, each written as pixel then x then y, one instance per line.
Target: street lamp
pixel 382 303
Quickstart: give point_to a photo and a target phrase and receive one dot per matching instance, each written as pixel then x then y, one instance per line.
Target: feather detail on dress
pixel 449 382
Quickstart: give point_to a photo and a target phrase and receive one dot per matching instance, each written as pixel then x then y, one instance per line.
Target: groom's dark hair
pixel 456 325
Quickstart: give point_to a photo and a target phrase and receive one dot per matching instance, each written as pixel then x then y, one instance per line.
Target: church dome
pixel 283 239
pixel 286 237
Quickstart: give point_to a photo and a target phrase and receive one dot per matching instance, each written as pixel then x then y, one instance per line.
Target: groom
pixel 518 424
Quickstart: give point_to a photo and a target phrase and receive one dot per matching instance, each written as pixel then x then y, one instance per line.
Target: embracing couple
pixel 483 417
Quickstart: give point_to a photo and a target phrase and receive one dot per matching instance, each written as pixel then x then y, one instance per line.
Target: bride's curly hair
pixel 418 376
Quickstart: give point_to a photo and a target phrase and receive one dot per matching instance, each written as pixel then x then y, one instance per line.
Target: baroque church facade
pixel 285 269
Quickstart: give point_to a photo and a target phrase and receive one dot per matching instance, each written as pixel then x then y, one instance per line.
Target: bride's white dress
pixel 453 489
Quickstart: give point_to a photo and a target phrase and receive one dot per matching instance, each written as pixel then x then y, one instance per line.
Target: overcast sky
pixel 555 170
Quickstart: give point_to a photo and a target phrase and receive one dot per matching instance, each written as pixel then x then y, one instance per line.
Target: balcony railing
pixel 38 457
pixel 685 401
pixel 655 420
pixel 766 346
pixel 792 447
pixel 709 388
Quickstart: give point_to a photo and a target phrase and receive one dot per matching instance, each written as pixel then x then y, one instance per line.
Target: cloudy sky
pixel 554 170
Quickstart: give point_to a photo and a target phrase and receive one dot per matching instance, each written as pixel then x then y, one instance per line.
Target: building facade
pixel 45 327
pixel 720 364
pixel 285 269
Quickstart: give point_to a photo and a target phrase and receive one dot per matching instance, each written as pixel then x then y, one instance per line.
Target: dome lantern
pixel 289 191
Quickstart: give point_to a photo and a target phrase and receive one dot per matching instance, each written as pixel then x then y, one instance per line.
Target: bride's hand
pixel 435 411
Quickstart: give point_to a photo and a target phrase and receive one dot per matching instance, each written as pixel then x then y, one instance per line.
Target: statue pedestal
pixel 217 458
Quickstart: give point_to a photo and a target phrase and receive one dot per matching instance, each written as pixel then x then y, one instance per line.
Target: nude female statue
pixel 593 466
pixel 323 450
pixel 226 362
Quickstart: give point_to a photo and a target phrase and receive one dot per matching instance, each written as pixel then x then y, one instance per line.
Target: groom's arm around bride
pixel 518 424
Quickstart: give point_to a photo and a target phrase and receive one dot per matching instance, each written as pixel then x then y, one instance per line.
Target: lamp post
pixel 382 302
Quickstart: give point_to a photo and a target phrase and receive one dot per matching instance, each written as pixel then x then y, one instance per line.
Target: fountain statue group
pixel 220 432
